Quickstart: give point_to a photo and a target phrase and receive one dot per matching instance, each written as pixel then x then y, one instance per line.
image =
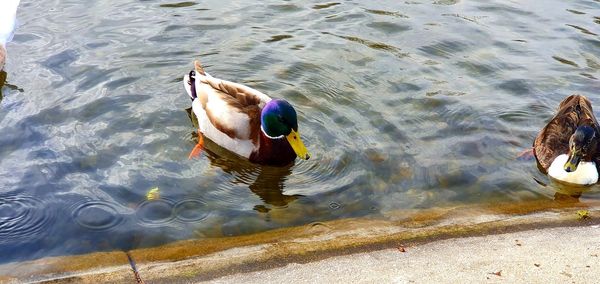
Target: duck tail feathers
pixel 189 83
pixel 189 80
pixel 198 67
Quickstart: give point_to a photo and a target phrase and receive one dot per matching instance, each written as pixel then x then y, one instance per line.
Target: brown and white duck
pixel 567 147
pixel 244 120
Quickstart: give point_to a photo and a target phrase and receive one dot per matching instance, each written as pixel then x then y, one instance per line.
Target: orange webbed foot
pixel 526 155
pixel 198 148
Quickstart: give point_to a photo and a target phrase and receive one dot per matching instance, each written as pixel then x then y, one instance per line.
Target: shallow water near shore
pixel 403 105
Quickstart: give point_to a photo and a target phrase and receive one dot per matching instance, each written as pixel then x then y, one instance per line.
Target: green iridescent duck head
pixel 278 120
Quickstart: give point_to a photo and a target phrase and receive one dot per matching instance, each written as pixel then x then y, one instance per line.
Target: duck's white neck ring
pixel 271 137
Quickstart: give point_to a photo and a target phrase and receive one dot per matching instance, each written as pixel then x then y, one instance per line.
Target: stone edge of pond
pixel 204 259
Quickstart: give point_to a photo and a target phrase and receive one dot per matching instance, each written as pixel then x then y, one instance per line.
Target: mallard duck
pixel 244 120
pixel 567 148
pixel 8 14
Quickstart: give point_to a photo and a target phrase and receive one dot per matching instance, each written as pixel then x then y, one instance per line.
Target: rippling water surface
pixel 403 104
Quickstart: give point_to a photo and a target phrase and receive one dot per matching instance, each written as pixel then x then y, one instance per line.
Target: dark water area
pixel 402 104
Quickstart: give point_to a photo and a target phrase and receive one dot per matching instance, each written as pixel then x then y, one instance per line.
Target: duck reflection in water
pixel 268 184
pixel 563 192
pixel 568 193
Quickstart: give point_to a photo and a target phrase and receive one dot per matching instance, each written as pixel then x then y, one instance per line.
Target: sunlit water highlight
pixel 403 104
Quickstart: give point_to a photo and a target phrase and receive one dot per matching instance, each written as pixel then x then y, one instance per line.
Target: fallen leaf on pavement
pixel 567 274
pixel 583 214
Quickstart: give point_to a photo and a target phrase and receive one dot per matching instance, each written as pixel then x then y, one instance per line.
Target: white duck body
pixel 8 17
pixel 586 173
pixel 212 96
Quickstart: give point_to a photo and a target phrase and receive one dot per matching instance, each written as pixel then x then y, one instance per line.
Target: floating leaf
pixel 153 194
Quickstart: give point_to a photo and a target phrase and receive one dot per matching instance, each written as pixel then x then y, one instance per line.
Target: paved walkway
pixel 556 255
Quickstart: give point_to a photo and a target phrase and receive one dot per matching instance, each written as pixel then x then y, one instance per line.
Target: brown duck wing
pixel 234 109
pixel 238 97
pixel 238 100
pixel 553 140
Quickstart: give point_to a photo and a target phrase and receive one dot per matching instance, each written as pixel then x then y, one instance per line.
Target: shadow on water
pixel 268 185
pixel 568 193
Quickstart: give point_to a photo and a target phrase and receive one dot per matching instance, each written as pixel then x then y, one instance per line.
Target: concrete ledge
pixel 204 259
pixel 551 255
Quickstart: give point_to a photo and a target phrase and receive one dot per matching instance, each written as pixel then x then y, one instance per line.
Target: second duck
pixel 567 147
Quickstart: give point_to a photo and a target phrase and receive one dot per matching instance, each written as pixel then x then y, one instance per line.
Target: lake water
pixel 403 105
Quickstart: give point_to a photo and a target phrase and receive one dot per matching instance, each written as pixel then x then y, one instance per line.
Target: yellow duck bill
pixel 572 162
pixel 296 143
